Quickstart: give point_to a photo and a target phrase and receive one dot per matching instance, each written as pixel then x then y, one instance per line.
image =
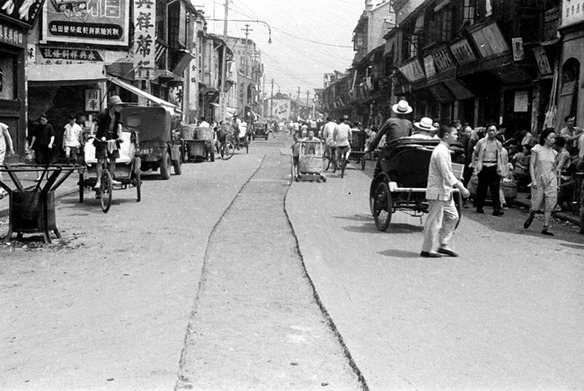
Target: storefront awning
pixel 458 89
pixel 135 90
pixel 65 74
pixel 230 110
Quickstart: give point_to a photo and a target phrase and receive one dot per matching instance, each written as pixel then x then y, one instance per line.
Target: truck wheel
pixel 213 154
pixel 165 164
pixel 177 166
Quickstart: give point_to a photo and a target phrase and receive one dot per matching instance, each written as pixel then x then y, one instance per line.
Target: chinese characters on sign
pixel 463 52
pixel 69 54
pixel 521 102
pixel 144 39
pixel 104 22
pixel 443 60
pixel 412 71
pixel 92 100
pixel 572 12
pixel 11 36
pixel 429 66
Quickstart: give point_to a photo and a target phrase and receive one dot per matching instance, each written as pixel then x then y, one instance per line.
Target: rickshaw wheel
pixel 81 187
pixel 227 151
pixel 106 191
pixel 382 206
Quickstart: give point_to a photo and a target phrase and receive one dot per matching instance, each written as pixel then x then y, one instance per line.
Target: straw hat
pixel 402 107
pixel 425 125
pixel 114 100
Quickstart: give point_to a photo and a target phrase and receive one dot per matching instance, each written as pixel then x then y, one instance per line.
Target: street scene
pixel 295 195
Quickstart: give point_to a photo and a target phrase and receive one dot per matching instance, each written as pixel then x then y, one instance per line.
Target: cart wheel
pixel 105 191
pixel 81 187
pixel 382 206
pixel 165 164
pixel 138 185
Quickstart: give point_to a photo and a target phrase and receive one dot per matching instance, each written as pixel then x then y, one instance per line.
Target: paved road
pixel 507 314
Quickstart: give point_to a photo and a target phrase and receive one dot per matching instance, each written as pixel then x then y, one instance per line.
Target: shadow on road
pixel 399 254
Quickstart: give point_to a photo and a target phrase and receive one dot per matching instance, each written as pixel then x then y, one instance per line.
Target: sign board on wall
pixel 542 60
pixel 281 109
pixel 429 66
pixel 463 52
pixel 518 52
pixel 521 102
pixel 412 71
pixel 105 22
pixel 572 12
pixel 93 100
pixel 144 39
pixel 490 41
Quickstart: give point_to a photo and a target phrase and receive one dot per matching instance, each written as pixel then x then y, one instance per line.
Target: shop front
pixel 14 28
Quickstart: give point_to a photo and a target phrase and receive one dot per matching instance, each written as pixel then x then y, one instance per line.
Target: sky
pixel 309 37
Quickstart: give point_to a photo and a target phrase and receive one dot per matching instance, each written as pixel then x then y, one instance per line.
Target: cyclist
pixel 342 136
pixel 108 137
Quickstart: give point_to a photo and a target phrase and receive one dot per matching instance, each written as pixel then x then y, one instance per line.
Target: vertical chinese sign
pixel 104 23
pixel 144 38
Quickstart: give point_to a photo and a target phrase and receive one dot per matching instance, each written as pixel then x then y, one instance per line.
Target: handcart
pixel 401 176
pixel 32 209
pixel 127 171
pixel 200 146
pixel 358 147
pixel 310 162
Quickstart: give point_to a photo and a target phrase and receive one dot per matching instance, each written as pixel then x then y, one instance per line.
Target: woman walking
pixel 544 183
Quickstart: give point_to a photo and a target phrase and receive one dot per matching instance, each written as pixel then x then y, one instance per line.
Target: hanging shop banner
pixel 462 52
pixel 11 35
pixel 429 66
pixel 521 102
pixel 144 37
pixel 105 22
pixel 412 71
pixel 281 108
pixel 93 100
pixel 490 41
pixel 572 12
pixel 22 12
pixel 443 60
pixel 542 61
pixel 518 52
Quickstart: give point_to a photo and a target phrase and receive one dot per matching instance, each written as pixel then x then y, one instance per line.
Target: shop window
pixel 568 100
pixel 8 76
pixel 441 25
pixel 469 9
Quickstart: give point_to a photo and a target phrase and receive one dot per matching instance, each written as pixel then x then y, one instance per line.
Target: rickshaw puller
pixel 108 137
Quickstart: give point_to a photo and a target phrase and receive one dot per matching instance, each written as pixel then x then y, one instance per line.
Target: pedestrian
pixel 6 149
pixel 43 138
pixel 203 123
pixel 342 136
pixel 442 213
pixel 544 183
pixel 423 129
pixel 71 139
pixel 395 127
pixel 489 169
pixel 295 156
pixel 107 130
pixel 572 134
pixel 327 136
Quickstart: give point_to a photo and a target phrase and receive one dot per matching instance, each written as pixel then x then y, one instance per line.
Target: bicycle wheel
pixel 106 191
pixel 227 151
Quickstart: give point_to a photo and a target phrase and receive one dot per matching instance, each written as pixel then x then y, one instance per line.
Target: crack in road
pixel 257 322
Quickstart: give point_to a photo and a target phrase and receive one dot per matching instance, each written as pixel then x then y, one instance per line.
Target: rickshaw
pixel 310 162
pixel 401 176
pixel 260 130
pixel 127 170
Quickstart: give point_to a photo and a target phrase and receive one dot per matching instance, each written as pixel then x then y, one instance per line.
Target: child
pixel 295 156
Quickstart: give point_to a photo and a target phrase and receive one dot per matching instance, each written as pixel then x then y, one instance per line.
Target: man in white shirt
pixel 442 213
pixel 342 136
pixel 71 139
pixel 203 123
pixel 327 136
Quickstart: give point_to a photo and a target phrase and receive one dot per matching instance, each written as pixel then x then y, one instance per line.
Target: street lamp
pixel 248 20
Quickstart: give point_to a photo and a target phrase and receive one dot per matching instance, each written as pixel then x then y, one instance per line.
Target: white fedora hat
pixel 425 124
pixel 402 107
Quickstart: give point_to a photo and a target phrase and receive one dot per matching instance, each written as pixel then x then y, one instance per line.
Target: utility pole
pixel 223 96
pixel 307 107
pixel 272 100
pixel 298 104
pixel 247 31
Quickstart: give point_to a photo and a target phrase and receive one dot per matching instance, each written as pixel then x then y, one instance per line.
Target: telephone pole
pixel 223 95
pixel 272 100
pixel 298 104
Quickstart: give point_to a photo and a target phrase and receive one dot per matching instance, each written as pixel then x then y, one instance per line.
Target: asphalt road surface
pixel 230 277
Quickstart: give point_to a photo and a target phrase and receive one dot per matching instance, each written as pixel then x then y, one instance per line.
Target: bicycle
pixel 343 151
pixel 227 149
pixel 329 157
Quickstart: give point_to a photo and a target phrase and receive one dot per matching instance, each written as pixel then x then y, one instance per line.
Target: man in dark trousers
pixel 43 139
pixel 489 169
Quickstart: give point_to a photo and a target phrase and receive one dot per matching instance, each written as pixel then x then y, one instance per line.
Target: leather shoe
pixel 430 254
pixel 498 213
pixel 448 252
pixel 528 221
pixel 545 231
